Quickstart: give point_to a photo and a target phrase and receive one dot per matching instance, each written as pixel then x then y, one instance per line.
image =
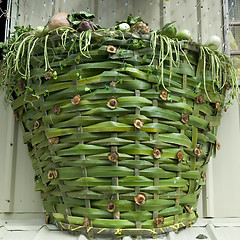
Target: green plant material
pixel 77 18
pixel 137 44
pixel 130 20
pixel 220 66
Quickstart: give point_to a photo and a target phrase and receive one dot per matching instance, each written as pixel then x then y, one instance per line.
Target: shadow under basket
pixel 119 133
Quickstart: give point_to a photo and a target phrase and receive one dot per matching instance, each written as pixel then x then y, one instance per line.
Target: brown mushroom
pixel 76 100
pixel 138 123
pixel 48 75
pixel 111 206
pixel 112 103
pixel 86 222
pixel 185 118
pixel 111 49
pixel 197 151
pixel 52 174
pixel 113 156
pixel 158 222
pixel 218 106
pixel 56 109
pixel 200 98
pixel 140 199
pixel 157 153
pixel 36 124
pixel 164 95
pixel 227 85
pixel 180 155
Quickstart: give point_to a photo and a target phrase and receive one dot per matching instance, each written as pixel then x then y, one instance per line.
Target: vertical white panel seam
pixel 9 170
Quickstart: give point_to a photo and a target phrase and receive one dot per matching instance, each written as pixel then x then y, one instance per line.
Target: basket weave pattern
pixel 111 148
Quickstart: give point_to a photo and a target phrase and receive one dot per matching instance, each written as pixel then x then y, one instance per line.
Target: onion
pixel 169 30
pixel 124 27
pixel 41 31
pixel 84 26
pixel 184 34
pixel 213 42
pixel 58 20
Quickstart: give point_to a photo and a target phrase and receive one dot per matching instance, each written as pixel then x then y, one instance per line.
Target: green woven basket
pixel 120 126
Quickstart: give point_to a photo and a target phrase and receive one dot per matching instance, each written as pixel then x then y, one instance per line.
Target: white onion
pixel 41 31
pixel 184 34
pixel 124 27
pixel 213 42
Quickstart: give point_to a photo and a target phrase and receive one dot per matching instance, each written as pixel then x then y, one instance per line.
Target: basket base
pixel 91 232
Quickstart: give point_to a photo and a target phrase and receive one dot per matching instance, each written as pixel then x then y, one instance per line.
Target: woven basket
pixel 119 146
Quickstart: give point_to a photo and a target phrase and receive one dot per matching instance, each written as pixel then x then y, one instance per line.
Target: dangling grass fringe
pixel 29 57
pixel 220 66
pixel 167 47
pixel 18 58
pixel 19 54
pixel 216 62
pixel 47 64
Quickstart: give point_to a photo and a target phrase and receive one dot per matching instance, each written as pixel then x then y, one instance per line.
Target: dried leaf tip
pixel 47 219
pixel 218 146
pixel 203 176
pixel 188 209
pixel 54 140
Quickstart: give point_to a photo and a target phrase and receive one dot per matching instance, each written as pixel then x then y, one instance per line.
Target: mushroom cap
pixel 59 20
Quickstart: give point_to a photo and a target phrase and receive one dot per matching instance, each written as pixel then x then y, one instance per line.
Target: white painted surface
pixel 7 146
pixel 221 197
pixel 226 166
pixel 26 227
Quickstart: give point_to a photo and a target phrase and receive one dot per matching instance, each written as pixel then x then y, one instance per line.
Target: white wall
pixel 203 18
